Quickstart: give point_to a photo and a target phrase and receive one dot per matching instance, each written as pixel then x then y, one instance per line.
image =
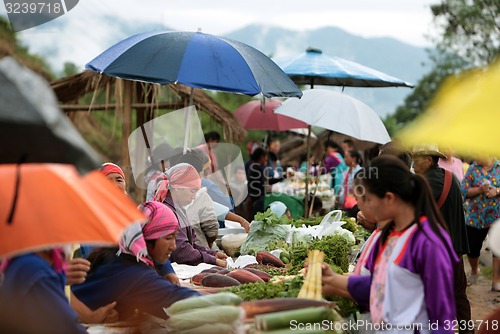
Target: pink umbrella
pixel 252 116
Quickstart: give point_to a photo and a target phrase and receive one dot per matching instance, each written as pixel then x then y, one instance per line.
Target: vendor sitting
pixel 127 275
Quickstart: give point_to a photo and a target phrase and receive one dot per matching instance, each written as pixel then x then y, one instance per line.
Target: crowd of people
pixel 427 210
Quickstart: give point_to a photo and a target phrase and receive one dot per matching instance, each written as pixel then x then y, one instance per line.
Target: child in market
pixel 413 255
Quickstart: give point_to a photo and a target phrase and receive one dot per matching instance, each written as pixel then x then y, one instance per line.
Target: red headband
pixel 111 168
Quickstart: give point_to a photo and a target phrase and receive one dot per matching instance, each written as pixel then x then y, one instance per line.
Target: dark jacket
pixel 452 209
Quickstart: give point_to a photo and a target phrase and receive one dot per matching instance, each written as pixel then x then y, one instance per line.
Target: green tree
pixel 469 28
pixel 469 35
pixel 424 91
pixel 10 46
pixel 69 69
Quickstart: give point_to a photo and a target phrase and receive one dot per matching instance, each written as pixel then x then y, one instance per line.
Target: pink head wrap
pixel 161 222
pixel 110 168
pixel 183 176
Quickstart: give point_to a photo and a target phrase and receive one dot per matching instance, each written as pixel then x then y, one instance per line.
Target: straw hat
pixel 427 149
pixel 494 238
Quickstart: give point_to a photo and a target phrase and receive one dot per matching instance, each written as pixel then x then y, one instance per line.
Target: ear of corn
pixel 312 288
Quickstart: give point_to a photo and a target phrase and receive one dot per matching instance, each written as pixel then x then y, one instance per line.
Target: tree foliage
pixel 469 28
pixel 424 91
pixel 469 36
pixel 10 46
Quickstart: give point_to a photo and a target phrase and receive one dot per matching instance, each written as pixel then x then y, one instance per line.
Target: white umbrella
pixel 337 112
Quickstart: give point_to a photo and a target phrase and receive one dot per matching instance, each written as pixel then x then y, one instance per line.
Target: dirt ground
pixel 483 301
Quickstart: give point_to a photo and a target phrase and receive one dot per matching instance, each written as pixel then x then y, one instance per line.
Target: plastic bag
pixel 241 262
pixel 261 234
pixel 330 223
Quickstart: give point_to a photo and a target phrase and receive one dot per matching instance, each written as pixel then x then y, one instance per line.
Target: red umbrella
pixel 252 116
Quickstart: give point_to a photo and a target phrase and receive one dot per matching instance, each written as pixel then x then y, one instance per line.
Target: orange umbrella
pixel 56 205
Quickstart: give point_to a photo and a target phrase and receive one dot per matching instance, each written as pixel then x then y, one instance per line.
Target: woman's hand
pixel 368 225
pixel 221 263
pixel 77 271
pixel 173 278
pixel 484 188
pixel 491 192
pixel 105 314
pixel 221 255
pixel 245 224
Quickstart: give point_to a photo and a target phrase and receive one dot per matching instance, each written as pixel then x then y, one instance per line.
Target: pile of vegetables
pixel 311 319
pixel 219 313
pixel 335 247
pixel 267 290
pixel 265 228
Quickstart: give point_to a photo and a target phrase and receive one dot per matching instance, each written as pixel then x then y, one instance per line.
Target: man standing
pixel 446 189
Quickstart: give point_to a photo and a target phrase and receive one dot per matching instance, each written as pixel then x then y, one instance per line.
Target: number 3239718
pixel 33 7
pixel 457 325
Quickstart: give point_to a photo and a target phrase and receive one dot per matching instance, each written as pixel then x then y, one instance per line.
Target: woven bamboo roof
pixel 71 89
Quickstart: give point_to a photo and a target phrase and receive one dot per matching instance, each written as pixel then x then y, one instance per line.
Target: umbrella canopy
pixel 55 205
pixel 464 115
pixel 197 60
pixel 32 127
pixel 315 68
pixel 337 112
pixel 252 116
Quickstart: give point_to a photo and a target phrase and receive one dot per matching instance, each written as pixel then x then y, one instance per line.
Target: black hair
pixel 435 161
pixel 196 158
pixel 212 135
pixel 397 150
pixel 388 174
pixel 272 156
pixel 349 142
pixel 357 156
pixel 332 144
pixel 258 153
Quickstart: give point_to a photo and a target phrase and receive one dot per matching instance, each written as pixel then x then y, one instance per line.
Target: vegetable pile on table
pixel 219 313
pixel 268 233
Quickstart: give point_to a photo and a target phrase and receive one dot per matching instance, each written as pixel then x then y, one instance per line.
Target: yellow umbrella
pixel 464 115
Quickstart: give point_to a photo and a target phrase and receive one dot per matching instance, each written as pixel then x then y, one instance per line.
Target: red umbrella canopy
pixel 255 116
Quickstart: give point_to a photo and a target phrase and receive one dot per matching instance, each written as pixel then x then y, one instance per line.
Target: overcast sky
pixel 406 20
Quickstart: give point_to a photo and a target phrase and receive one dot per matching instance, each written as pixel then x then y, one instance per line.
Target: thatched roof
pixel 72 88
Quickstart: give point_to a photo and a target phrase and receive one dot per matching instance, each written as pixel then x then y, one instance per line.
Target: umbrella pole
pixel 306 201
pixel 13 206
pixel 188 121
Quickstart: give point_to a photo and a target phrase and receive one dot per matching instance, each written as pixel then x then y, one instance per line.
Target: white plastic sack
pixel 330 223
pixel 241 262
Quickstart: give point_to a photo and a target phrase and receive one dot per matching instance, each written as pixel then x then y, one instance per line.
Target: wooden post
pixel 141 116
pixel 126 97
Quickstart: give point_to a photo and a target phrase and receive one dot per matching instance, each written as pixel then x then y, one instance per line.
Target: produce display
pixel 278 278
pixel 220 277
pixel 283 319
pixel 312 288
pixel 268 290
pixel 218 313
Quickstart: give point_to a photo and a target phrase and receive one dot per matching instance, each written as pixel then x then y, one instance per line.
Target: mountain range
pixel 76 42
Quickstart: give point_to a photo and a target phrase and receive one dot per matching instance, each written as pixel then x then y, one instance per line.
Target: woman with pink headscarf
pixel 128 276
pixel 177 188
